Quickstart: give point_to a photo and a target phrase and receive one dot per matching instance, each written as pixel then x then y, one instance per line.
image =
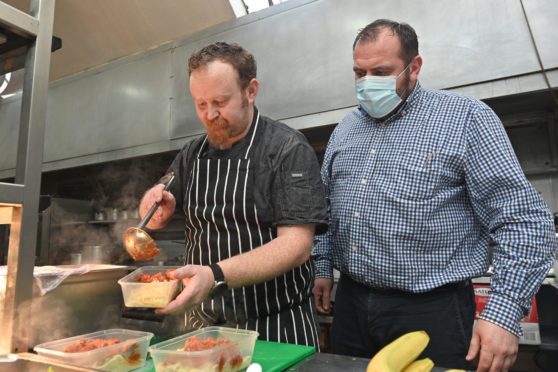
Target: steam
pixel 115 195
pixel 122 187
pixel 102 189
pixel 69 310
pixel 73 238
pixel 52 317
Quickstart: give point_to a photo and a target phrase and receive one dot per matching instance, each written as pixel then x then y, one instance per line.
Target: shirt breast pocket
pixel 345 164
pixel 414 175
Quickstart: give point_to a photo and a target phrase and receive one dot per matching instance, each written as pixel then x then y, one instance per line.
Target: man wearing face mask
pixel 418 182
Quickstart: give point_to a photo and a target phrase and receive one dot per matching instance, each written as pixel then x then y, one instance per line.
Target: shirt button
pixel 363 181
pixel 372 152
pixel 357 215
pixel 354 248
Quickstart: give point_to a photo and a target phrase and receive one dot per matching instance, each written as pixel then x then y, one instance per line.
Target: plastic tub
pixel 155 294
pixel 232 356
pixel 128 354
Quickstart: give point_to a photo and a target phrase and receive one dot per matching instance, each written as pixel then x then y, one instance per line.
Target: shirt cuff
pixel 503 312
pixel 323 269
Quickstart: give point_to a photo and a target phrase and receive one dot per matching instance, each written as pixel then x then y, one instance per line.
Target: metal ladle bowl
pixel 137 242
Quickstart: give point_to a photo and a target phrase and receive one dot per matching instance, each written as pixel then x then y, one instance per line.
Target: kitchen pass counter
pixel 322 362
pixel 272 356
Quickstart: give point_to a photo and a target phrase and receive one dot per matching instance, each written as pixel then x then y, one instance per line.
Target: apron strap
pixel 201 147
pixel 253 136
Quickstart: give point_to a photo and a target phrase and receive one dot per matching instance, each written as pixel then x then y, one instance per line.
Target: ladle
pixel 138 243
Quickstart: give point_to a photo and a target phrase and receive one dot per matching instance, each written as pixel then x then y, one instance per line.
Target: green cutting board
pixel 276 356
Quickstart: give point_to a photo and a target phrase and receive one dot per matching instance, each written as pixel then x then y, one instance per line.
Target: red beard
pixel 218 133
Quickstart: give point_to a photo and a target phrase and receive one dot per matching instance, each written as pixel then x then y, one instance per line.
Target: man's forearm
pixel 291 248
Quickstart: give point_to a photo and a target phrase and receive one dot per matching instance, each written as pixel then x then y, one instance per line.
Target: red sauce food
pixel 196 344
pixel 87 344
pixel 233 357
pixel 134 356
pixel 236 361
pixel 158 277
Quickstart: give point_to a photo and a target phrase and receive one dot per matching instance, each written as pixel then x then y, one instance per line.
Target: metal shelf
pixel 13 49
pixel 19 203
pixel 11 192
pixel 19 22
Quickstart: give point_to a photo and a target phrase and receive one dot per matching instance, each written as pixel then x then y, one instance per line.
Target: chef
pixel 252 196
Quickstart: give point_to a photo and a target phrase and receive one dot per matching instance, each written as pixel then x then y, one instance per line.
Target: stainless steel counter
pixel 35 363
pixel 330 362
pixel 324 362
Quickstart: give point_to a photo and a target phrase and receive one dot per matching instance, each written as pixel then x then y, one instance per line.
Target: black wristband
pixel 218 274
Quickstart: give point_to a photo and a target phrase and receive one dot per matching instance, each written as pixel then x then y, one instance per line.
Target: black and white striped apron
pixel 221 222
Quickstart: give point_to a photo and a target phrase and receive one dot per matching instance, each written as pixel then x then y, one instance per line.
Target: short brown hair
pixel 235 55
pixel 406 34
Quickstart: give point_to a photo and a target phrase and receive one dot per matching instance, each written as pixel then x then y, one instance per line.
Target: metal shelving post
pixel 19 202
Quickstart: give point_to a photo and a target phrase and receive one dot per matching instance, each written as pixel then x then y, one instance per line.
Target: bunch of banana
pixel 400 355
pixel 421 365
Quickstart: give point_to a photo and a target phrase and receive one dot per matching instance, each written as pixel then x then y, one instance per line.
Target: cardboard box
pixel 529 324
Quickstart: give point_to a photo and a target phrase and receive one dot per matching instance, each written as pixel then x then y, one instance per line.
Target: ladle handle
pixel 154 207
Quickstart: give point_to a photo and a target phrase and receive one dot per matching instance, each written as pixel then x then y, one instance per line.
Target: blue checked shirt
pixel 414 201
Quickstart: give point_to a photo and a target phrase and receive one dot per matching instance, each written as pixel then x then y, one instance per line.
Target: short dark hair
pixel 407 36
pixel 242 60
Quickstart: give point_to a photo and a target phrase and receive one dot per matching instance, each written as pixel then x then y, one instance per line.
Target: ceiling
pixel 95 32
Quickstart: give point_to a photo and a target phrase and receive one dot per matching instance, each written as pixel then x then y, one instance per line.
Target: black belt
pixel 399 292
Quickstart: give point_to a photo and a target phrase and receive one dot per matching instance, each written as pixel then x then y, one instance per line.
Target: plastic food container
pixel 155 294
pixel 128 354
pixel 233 356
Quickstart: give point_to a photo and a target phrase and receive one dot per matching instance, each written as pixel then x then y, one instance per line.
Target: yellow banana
pixel 398 354
pixel 421 365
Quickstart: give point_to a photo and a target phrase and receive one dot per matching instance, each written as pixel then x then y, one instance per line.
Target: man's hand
pixel 322 292
pixel 198 281
pixel 493 347
pixel 167 204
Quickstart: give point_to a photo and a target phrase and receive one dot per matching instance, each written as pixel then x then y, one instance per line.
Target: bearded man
pixel 252 196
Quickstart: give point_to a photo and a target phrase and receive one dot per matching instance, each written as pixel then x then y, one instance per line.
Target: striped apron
pixel 221 222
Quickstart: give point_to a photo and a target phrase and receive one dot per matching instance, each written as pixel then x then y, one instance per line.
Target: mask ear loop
pixel 408 64
pixel 406 88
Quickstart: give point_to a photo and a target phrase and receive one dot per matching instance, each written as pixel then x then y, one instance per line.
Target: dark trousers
pixel 366 319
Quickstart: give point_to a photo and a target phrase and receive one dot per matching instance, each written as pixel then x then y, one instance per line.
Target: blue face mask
pixel 377 95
